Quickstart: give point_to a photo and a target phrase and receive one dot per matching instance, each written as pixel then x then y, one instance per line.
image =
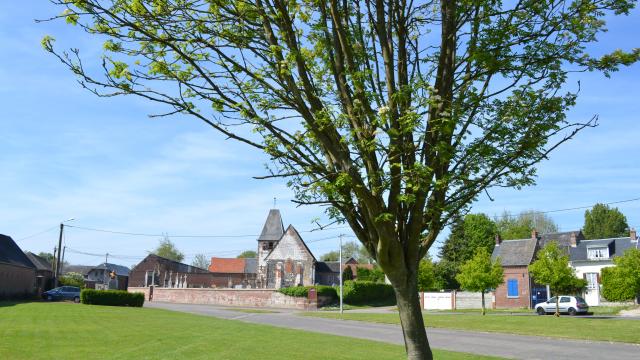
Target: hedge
pixel 303 291
pixel 368 293
pixel 615 286
pixel 111 298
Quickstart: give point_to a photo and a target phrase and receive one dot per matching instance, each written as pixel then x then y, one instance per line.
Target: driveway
pixel 504 345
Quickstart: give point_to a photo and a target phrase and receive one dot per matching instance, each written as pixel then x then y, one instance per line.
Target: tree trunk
pixel 483 309
pixel 415 335
pixel 557 314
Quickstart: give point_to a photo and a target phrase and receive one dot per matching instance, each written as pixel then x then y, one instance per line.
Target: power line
pixel 573 208
pixel 189 236
pixel 38 233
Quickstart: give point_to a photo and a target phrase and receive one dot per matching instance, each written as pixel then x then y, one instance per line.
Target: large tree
pixel 167 249
pixel 200 261
pixel 602 222
pixel 521 226
pixel 396 114
pixel 480 274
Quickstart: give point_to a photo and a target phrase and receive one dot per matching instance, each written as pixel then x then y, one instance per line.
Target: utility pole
pixel 104 272
pixel 57 273
pixel 341 235
pixel 64 249
pixel 53 261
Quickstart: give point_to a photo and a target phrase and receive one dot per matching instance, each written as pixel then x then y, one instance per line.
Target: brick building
pixel 163 272
pixel 233 272
pixel 515 256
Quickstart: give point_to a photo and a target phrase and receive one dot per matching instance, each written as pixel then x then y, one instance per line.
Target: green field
pixel 76 331
pixel 619 330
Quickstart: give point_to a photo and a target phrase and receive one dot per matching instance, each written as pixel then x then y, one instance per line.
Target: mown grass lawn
pixel 619 330
pixel 76 331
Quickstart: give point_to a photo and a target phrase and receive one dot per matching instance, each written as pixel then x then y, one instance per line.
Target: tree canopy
pixel 248 254
pixel 622 282
pixel 200 261
pixel 603 222
pixel 167 249
pixel 426 275
pixel 396 115
pixel 521 226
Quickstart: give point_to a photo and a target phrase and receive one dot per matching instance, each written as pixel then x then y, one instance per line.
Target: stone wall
pixel 227 297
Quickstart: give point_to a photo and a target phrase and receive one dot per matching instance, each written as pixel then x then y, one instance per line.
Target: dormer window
pixel 598 253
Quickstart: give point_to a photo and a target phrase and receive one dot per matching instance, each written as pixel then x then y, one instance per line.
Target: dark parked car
pixel 63 293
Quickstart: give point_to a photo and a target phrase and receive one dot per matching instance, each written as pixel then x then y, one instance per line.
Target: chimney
pixel 633 235
pixel 498 240
pixel 573 240
pixel 534 234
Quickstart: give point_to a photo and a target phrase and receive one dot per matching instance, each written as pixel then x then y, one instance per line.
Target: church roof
pixel 273 228
pixel 291 246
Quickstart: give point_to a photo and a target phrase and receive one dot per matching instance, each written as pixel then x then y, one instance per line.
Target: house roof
pixel 562 238
pixel 10 253
pixel 39 262
pixel 273 228
pixel 227 265
pixel 617 247
pixel 119 269
pixel 291 246
pixel 328 267
pixel 176 265
pixel 515 252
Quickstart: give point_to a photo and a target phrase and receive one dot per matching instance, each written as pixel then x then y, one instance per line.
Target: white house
pixel 589 257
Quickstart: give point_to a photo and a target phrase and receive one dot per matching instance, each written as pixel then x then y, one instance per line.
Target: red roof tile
pixel 227 265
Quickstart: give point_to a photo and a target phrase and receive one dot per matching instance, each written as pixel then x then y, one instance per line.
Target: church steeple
pixel 272 232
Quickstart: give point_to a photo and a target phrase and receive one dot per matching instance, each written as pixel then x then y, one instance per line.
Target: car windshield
pixel 580 300
pixel 553 299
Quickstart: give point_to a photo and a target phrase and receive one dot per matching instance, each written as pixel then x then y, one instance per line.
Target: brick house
pixel 515 257
pixel 17 272
pixel 44 272
pixel 159 271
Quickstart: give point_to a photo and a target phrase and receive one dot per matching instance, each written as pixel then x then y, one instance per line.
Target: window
pixel 512 288
pixel 598 253
pixel 592 280
pixel 565 299
pixel 552 300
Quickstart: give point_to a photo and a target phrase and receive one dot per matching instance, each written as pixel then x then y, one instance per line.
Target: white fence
pixel 452 300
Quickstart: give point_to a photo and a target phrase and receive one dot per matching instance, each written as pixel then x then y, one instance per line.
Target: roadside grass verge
pixel 618 330
pixel 41 330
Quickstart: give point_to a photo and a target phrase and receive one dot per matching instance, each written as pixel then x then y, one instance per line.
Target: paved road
pixel 504 345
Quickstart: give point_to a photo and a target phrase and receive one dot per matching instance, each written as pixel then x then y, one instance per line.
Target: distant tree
pixel 347 274
pixel 602 222
pixel 72 279
pixel 375 274
pixel 248 254
pixel 200 261
pixel 622 282
pixel 426 275
pixel 480 274
pixel 167 249
pixel 330 256
pixel 552 268
pixel 47 256
pixel 445 272
pixel 521 226
pixel 467 235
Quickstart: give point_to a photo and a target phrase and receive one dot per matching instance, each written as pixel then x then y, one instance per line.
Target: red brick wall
pixel 520 273
pixel 227 297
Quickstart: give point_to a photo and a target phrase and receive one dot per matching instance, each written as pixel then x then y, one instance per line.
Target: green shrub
pixel 615 286
pixel 375 275
pixel 303 291
pixel 296 291
pixel 368 293
pixel 111 298
pixel 72 279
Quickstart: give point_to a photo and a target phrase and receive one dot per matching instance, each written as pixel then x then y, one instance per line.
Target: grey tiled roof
pixel 515 252
pixel 617 247
pixel 80 269
pixel 119 269
pixel 328 267
pixel 10 253
pixel 251 266
pixel 562 238
pixel 40 263
pixel 273 228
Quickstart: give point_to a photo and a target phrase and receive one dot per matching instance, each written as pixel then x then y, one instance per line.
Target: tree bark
pixel 483 308
pixel 415 335
pixel 557 314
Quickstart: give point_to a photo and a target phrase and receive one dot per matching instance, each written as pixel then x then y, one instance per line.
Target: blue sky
pixel 66 153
